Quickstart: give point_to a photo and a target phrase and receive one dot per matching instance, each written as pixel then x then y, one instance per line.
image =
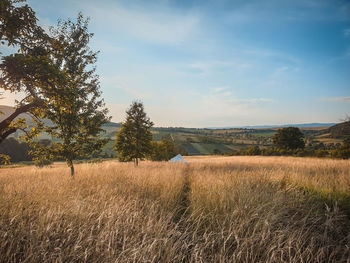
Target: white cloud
pixel 206 67
pixel 9 98
pixel 221 89
pixel 157 26
pixel 340 99
pixel 134 87
pixel 117 111
pixel 251 100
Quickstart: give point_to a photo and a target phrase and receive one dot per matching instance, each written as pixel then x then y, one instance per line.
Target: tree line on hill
pixel 133 142
pixel 289 141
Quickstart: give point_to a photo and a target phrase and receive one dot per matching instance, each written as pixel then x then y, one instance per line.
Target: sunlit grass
pixel 225 209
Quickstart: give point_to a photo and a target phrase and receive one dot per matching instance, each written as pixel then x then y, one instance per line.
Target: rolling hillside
pixel 207 141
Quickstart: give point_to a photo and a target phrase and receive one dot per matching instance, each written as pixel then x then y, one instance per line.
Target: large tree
pixel 289 138
pixel 133 141
pixel 76 111
pixel 27 71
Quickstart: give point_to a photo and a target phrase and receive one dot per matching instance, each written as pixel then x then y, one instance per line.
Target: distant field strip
pixel 216 209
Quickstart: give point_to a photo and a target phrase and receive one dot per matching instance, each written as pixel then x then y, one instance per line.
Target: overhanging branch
pixel 25 108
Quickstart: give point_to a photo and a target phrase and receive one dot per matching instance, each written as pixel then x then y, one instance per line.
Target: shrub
pixel 41 162
pixel 321 153
pixel 162 151
pixel 253 150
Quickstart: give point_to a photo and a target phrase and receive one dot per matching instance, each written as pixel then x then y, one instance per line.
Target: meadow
pixel 216 209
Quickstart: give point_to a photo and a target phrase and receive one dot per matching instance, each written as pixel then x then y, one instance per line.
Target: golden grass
pixel 217 209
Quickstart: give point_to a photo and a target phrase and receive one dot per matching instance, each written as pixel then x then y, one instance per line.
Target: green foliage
pixel 57 75
pixel 26 70
pixel 17 22
pixel 216 151
pixel 253 150
pixel 328 197
pixel 289 138
pixel 343 151
pixel 41 156
pixel 321 153
pixel 5 159
pixel 162 151
pixel 133 141
pixel 75 110
pixel 41 162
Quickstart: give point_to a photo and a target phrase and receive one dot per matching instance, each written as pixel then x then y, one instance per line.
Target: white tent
pixel 178 159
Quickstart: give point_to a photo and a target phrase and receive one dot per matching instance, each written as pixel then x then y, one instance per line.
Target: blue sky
pixel 219 63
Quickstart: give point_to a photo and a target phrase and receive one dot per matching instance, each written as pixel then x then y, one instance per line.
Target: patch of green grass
pixel 329 197
pixel 189 148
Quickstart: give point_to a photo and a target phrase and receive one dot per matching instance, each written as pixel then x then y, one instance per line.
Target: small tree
pixel 76 110
pixel 253 150
pixel 343 151
pixel 133 141
pixel 162 151
pixel 289 138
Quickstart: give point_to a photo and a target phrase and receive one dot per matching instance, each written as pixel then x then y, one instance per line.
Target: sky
pixel 197 63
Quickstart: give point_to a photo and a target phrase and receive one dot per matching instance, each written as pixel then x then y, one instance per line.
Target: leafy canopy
pixel 133 141
pixel 27 70
pixel 162 151
pixel 76 111
pixel 289 138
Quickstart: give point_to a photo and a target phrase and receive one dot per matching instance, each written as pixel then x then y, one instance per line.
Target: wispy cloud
pixel 224 93
pixel 133 87
pixel 206 67
pixel 272 54
pixel 156 26
pixel 251 100
pixel 220 89
pixel 341 99
pixel 297 10
pixel 347 32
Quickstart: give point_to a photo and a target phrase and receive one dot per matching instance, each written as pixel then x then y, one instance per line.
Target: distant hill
pixel 5 111
pixel 113 124
pixel 340 130
pixel 302 125
pixel 206 141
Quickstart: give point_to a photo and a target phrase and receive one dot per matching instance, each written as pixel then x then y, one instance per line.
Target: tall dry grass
pixel 232 209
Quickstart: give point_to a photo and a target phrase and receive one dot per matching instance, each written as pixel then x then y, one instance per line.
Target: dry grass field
pixel 216 209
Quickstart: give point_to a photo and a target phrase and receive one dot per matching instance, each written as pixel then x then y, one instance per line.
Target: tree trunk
pixel 136 161
pixel 72 171
pixel 70 164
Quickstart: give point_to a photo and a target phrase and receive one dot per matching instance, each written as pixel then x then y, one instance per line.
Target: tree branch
pixel 4 135
pixel 25 108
